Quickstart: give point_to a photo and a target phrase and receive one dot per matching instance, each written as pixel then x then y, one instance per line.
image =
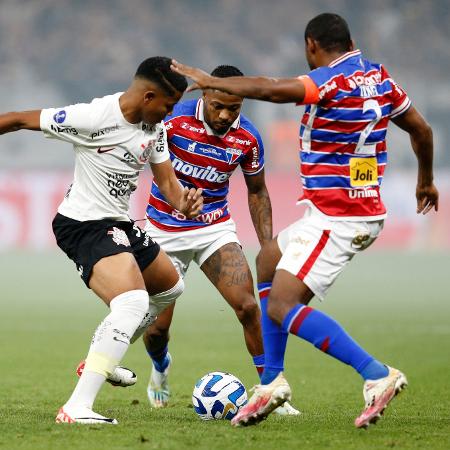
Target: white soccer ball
pixel 218 395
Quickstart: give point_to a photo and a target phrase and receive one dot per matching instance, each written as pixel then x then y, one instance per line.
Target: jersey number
pixel 361 148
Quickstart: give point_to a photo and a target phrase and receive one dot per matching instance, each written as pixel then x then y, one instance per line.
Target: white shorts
pixel 197 245
pixel 316 249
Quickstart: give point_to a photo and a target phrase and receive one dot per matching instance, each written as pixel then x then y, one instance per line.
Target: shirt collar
pixel 344 57
pixel 199 115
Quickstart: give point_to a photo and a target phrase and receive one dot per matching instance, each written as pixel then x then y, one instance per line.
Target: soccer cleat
pixel 120 377
pixel 265 399
pixel 83 415
pixel 286 409
pixel 378 394
pixel 158 387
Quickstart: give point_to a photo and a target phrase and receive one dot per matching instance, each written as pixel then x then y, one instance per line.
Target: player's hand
pixel 201 78
pixel 191 203
pixel 427 198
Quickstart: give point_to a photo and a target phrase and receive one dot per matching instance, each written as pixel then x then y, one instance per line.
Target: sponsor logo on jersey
pixel 60 116
pixel 327 88
pixel 363 172
pixel 186 126
pixel 104 131
pixel 104 150
pixel 119 236
pixel 191 147
pixel 235 140
pixel 68 130
pixel 362 193
pixel 202 173
pixel 119 184
pixel 208 217
pixel 232 154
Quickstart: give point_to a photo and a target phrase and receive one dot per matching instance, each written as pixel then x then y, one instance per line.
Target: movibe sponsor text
pixel 202 173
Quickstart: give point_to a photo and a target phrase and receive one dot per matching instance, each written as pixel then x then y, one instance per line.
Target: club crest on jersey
pixel 119 236
pixel 147 148
pixel 232 154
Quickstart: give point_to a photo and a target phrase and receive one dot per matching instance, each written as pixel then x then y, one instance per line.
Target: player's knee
pixel 164 299
pixel 156 332
pixel 248 310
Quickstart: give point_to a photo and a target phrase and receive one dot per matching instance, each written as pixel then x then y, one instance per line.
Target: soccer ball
pixel 218 395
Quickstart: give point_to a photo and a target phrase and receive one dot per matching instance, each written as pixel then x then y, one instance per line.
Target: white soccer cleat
pixel 83 415
pixel 121 376
pixel 158 387
pixel 265 399
pixel 286 409
pixel 378 394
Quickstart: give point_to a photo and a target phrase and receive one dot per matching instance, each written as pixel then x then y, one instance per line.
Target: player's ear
pixel 149 96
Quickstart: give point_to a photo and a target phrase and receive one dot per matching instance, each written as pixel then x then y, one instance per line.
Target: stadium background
pixel 56 52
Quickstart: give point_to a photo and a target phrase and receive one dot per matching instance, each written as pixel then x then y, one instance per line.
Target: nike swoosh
pixel 104 150
pixel 120 340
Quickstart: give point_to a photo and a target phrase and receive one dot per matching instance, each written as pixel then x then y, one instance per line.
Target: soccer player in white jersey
pixel 114 137
pixel 208 139
pixel 350 102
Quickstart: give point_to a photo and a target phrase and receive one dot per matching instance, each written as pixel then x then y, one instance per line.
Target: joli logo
pixel 363 172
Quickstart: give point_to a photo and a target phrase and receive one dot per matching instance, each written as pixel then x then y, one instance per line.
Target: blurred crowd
pixel 55 52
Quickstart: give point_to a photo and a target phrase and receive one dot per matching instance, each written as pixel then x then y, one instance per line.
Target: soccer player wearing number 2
pixel 350 102
pixel 114 138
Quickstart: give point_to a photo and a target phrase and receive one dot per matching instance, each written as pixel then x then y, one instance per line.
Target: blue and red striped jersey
pixel 202 159
pixel 343 137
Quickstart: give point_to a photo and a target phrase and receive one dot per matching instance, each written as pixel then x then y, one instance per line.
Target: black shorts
pixel 85 243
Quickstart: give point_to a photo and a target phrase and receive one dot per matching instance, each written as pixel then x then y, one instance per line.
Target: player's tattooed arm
pixel 421 136
pixel 259 206
pixel 187 201
pixel 276 90
pixel 24 120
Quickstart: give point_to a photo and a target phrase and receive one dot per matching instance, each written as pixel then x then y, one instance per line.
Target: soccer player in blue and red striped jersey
pixel 350 102
pixel 208 140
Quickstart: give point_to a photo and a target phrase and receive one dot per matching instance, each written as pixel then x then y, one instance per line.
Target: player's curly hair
pixel 330 31
pixel 225 71
pixel 157 69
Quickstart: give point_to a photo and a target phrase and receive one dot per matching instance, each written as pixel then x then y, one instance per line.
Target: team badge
pixel 119 236
pixel 232 154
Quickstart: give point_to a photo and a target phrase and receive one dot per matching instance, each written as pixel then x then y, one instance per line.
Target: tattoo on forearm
pixel 261 213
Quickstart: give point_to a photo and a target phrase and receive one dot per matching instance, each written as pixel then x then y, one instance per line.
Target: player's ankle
pixel 374 370
pixel 269 375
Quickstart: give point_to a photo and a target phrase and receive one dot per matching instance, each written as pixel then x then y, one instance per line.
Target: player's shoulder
pixel 248 127
pixel 183 108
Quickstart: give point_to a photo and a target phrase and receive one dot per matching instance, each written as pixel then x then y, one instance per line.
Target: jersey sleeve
pixel 399 97
pixel 71 123
pixel 253 161
pixel 324 79
pixel 160 151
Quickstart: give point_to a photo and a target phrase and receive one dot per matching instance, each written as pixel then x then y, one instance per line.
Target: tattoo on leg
pixel 228 266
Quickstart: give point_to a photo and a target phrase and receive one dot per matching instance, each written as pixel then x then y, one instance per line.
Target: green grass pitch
pixel 396 305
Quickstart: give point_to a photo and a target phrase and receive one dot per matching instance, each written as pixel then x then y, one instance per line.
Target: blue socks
pixel 160 359
pixel 258 361
pixel 327 335
pixel 274 339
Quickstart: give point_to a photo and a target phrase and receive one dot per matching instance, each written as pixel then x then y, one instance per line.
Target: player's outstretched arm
pixel 276 90
pixel 421 136
pixel 188 201
pixel 259 206
pixel 24 120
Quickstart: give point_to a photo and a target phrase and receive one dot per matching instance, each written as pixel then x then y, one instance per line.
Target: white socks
pixel 109 344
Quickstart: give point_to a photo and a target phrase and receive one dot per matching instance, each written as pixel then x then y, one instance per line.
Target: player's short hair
pixel 157 69
pixel 225 71
pixel 330 31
